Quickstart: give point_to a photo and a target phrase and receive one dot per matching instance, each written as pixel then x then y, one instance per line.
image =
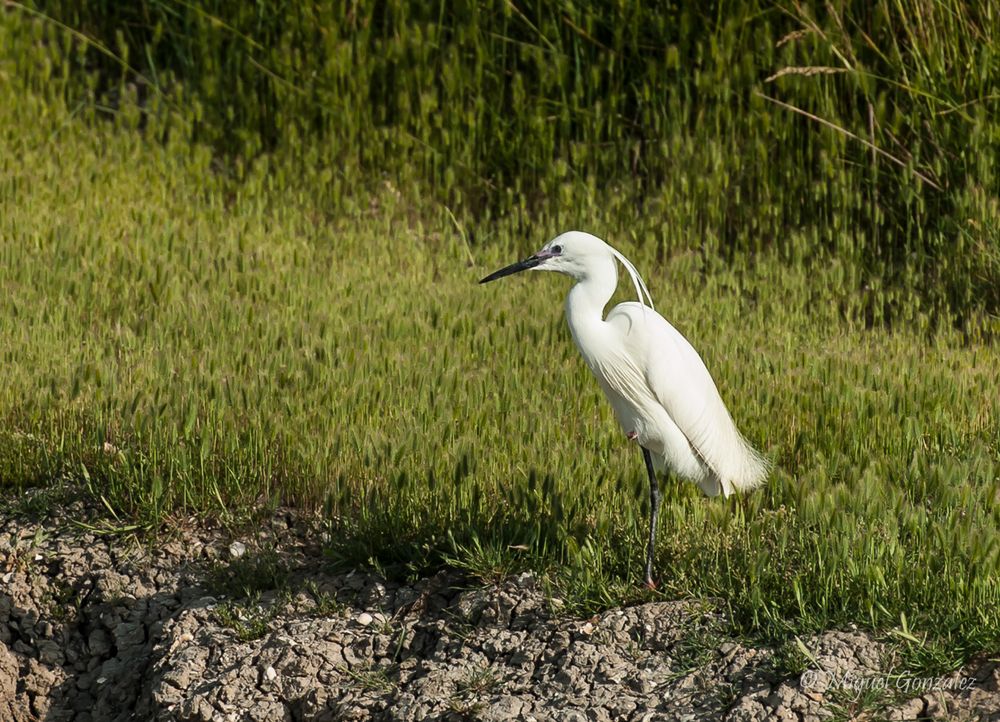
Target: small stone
pixel 587 628
pixel 935 706
pixel 785 714
pixel 237 549
pixel 50 653
pixel 364 619
pixel 270 673
pixel 910 710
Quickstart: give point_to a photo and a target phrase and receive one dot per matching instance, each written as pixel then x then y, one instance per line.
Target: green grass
pixel 248 619
pixel 179 339
pixel 250 574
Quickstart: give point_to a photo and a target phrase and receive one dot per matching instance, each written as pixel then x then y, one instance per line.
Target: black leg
pixel 654 512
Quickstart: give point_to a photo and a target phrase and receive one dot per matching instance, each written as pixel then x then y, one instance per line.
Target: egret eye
pixel 557 249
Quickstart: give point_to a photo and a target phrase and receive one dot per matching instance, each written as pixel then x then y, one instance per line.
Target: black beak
pixel 514 268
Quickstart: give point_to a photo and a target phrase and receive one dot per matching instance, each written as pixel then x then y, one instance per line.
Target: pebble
pixel 237 549
pixel 364 619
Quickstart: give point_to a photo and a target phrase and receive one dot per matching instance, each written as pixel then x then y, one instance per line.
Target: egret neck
pixel 585 304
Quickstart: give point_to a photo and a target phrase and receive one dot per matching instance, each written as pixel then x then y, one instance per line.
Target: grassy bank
pixel 183 338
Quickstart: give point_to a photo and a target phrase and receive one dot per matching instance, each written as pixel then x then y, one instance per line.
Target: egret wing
pixel 679 380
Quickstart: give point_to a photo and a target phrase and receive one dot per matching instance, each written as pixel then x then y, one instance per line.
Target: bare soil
pixel 203 627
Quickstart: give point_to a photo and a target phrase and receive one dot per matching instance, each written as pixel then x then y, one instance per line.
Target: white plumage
pixel 673 405
pixel 661 392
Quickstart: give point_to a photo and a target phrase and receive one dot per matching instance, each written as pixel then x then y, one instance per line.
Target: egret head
pixel 572 253
pixel 576 254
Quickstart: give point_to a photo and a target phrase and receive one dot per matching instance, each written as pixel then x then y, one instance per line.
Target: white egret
pixel 661 392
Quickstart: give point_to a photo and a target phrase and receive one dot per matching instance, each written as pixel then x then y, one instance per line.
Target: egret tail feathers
pixel 749 473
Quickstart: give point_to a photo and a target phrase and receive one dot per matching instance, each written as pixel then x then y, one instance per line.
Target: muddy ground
pixel 204 626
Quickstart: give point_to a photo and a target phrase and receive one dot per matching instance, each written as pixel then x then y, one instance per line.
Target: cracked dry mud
pixel 99 628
